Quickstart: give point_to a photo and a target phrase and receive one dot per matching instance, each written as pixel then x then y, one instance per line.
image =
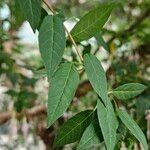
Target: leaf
pixel 101 41
pixel 133 127
pixel 61 15
pixel 92 22
pixel 52 42
pixel 32 11
pixel 128 91
pixel 62 89
pixel 43 15
pixel 16 14
pixel 96 75
pixel 91 136
pixel 108 123
pixel 72 130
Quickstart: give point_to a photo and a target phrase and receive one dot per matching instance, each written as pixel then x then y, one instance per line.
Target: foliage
pixel 115 89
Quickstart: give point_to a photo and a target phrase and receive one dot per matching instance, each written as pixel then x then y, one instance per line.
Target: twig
pixel 73 42
pixel 70 36
pixel 49 6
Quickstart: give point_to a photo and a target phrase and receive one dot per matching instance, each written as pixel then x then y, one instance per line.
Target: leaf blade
pixel 87 141
pixel 108 123
pixel 128 91
pixel 133 127
pixel 72 130
pixel 96 75
pixel 62 89
pixel 92 22
pixel 32 11
pixel 52 42
pixel 43 15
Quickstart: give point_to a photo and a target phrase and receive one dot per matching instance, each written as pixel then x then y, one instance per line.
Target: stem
pixel 69 35
pixel 74 43
pixel 116 104
pixel 49 7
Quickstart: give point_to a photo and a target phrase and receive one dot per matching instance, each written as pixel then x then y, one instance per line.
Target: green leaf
pixel 91 136
pixel 133 127
pixel 60 13
pixel 73 129
pixel 16 14
pixel 96 75
pixel 92 22
pixel 52 42
pixel 101 41
pixel 32 11
pixel 128 91
pixel 62 89
pixel 108 123
pixel 43 15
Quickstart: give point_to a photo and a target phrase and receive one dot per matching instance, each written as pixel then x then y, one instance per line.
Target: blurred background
pixel 123 46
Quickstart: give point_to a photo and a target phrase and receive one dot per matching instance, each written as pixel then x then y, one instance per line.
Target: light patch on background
pixel 4 12
pixel 26 34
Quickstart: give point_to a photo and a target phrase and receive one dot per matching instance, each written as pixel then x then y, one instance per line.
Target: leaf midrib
pixel 110 139
pixel 126 91
pixel 52 29
pixel 74 127
pixel 74 35
pixel 97 76
pixel 64 87
pixel 141 140
pixel 88 140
